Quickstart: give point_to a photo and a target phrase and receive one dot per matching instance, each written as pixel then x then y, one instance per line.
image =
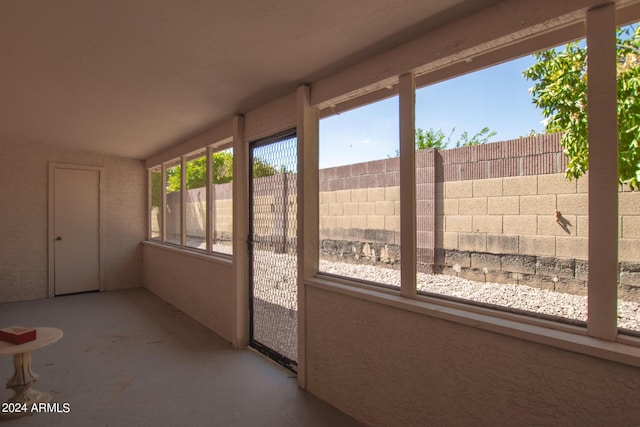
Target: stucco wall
pixel 390 367
pixel 23 224
pixel 200 287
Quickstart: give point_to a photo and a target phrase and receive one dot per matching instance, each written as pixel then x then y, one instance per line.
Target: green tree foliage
pixel 560 88
pixel 262 168
pixel 173 178
pixel 156 189
pixel 432 139
pixel 481 137
pixel 532 132
pixel 196 176
pixel 437 139
pixel 222 168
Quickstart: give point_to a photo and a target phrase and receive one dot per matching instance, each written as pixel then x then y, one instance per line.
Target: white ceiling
pixel 132 77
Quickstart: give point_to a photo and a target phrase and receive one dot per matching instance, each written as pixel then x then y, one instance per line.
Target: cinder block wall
pixel 513 216
pixel 196 202
pixel 501 212
pixel 506 213
pixel 529 229
pixel 274 202
pixel 360 212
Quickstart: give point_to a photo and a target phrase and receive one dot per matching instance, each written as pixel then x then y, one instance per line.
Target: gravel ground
pixel 276 283
pixel 515 296
pixel 200 244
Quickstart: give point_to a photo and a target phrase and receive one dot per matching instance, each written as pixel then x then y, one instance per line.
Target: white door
pixel 76 220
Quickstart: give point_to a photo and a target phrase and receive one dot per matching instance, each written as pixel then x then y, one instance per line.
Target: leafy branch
pixel 560 90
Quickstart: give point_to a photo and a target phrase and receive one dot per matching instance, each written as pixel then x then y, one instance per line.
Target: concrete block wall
pixel 500 212
pixel 353 212
pixel 360 212
pixel 195 211
pixel 518 219
pixel 274 201
pixel 223 219
pixel 527 229
pixel 529 215
pixel 351 222
pixel 427 224
pixel 275 206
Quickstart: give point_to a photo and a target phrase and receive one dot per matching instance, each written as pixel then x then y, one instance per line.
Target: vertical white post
pixel 183 201
pixel 407 89
pixel 163 207
pixel 149 207
pixel 603 173
pixel 240 338
pixel 210 201
pixel 308 212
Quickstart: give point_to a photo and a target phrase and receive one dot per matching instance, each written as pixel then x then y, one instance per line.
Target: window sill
pixel 219 258
pixel 555 334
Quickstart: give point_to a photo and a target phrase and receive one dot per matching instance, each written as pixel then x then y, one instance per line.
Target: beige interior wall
pixel 386 366
pixel 202 288
pixel 23 224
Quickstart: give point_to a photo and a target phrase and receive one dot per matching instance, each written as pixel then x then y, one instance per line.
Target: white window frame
pixel 182 160
pixel 601 337
pixel 157 169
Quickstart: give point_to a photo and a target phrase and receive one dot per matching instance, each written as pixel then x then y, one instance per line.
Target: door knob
pixel 59 238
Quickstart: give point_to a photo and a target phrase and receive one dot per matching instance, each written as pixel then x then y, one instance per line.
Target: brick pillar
pixel 425 209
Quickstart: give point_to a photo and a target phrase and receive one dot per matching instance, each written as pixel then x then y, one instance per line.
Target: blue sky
pixel 497 97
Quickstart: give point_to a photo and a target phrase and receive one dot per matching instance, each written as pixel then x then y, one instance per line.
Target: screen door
pixel 272 248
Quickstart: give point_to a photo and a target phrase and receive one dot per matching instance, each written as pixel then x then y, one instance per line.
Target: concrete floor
pixel 128 358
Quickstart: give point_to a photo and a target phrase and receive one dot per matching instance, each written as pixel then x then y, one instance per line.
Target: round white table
pixel 23 377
